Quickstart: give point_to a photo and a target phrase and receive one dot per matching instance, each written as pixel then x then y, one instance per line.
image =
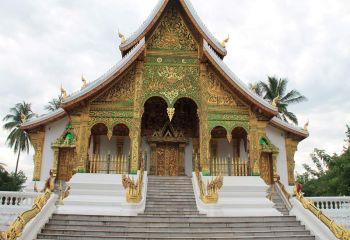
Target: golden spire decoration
pixel 276 100
pixel 306 125
pixel 83 79
pixel 122 37
pixel 225 41
pixel 23 118
pixel 63 92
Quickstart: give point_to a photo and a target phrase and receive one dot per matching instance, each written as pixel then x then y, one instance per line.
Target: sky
pixel 44 44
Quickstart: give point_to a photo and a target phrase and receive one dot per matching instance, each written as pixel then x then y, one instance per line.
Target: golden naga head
pixel 122 37
pixel 225 41
pixel 276 100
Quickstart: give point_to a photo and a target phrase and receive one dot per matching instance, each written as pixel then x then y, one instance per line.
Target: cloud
pixel 44 44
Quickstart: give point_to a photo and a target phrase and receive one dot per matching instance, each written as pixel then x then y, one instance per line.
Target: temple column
pixel 80 122
pixel 204 134
pixel 37 139
pixel 291 148
pixel 135 131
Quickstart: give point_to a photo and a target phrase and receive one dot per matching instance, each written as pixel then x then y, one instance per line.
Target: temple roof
pixel 106 78
pixel 156 14
pixel 236 82
pixel 279 123
pixel 44 119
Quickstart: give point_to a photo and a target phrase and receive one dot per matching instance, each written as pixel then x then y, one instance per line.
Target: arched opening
pixel 220 150
pixel 167 136
pixel 239 143
pixel 109 153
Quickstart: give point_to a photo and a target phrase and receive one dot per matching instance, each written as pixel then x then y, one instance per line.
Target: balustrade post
pixel 229 166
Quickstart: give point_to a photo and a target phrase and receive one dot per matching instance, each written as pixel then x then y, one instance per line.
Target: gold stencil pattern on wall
pixel 172 34
pixel 218 93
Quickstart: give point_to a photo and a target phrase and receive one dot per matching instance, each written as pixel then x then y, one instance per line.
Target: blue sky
pixel 44 44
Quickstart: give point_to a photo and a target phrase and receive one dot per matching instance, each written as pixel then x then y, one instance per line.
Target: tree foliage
pixel 18 139
pixel 12 181
pixel 275 89
pixel 331 176
pixel 54 104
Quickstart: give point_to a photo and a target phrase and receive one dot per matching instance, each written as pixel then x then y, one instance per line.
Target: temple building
pixel 171 101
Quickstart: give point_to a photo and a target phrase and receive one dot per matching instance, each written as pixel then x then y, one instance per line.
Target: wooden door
pixel 266 169
pixel 65 164
pixel 167 160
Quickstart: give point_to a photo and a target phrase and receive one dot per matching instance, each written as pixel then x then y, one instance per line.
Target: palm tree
pixel 54 104
pixel 2 167
pixel 18 139
pixel 274 91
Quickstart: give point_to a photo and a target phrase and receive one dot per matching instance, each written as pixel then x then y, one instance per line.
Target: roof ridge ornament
pixel 306 125
pixel 122 37
pixel 225 41
pixel 84 81
pixel 276 100
pixel 63 92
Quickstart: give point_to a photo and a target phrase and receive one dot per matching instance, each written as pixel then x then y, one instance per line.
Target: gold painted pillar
pixel 80 122
pixel 204 134
pixel 256 131
pixel 135 131
pixel 182 160
pixel 291 148
pixel 37 139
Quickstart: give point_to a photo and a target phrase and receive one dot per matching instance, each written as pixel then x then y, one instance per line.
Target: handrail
pixel 284 194
pixel 209 194
pixel 339 231
pixel 134 189
pixel 16 228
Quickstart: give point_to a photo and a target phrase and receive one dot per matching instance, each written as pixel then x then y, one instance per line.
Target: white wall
pixel 277 137
pixel 188 158
pixel 52 132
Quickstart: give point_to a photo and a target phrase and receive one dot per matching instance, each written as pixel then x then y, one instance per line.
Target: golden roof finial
pixel 122 37
pixel 63 92
pixel 276 100
pixel 225 41
pixel 23 118
pixel 306 125
pixel 83 79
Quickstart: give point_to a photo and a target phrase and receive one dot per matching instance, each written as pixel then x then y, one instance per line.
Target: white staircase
pixel 100 194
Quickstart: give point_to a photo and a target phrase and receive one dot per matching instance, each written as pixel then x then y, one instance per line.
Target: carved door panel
pixel 167 160
pixel 266 171
pixel 65 163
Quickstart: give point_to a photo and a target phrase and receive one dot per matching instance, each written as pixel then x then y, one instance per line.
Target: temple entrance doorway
pixel 65 164
pixel 168 134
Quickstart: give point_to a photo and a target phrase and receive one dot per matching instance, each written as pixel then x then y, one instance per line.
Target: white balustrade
pixel 337 208
pixel 17 198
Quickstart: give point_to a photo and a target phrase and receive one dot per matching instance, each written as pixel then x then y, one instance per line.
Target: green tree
pixel 275 92
pixel 12 181
pixel 2 167
pixel 331 176
pixel 18 139
pixel 54 104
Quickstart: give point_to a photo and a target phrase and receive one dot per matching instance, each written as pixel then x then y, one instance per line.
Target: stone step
pixel 173 224
pixel 169 227
pixel 150 233
pixel 85 237
pixel 74 217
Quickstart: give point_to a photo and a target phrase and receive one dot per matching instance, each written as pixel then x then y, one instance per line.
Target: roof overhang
pixel 44 119
pixel 295 130
pixel 116 71
pixel 156 14
pixel 236 83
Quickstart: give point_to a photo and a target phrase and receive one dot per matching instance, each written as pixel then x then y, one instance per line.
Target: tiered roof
pixel 135 45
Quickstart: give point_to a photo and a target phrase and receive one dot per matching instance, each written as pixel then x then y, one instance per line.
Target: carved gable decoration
pixel 172 34
pixel 121 90
pixel 218 94
pixel 67 139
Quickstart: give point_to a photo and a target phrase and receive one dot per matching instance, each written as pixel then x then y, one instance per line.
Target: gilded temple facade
pixel 171 101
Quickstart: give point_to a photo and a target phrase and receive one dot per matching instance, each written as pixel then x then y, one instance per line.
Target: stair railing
pixel 339 231
pixel 281 189
pixel 133 188
pixel 209 193
pixel 16 228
